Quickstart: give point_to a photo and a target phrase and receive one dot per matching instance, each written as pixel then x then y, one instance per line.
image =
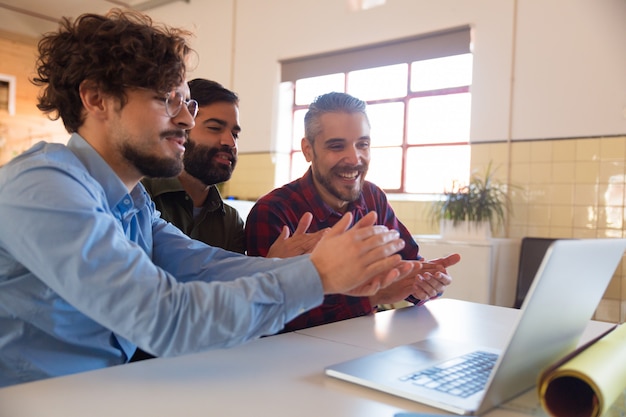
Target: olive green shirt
pixel 218 224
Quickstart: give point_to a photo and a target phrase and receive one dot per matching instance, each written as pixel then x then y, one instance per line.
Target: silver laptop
pixel 565 293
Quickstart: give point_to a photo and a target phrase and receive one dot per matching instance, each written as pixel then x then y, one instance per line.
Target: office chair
pixel 532 252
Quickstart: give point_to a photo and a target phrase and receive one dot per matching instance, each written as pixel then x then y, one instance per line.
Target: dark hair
pixel 207 92
pixel 333 102
pixel 114 51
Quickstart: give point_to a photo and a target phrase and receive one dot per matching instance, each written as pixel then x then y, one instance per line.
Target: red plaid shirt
pixel 286 205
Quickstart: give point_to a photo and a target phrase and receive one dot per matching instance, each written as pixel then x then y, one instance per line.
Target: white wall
pixel 570 71
pixel 568 56
pixel 296 28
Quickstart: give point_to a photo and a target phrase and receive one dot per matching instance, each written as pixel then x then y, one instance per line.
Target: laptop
pixel 564 294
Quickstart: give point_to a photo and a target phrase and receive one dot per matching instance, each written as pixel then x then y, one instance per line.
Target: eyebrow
pixel 335 140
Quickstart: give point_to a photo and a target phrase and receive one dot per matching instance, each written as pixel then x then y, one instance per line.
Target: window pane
pixel 433 169
pixel 379 169
pixel 298 127
pixel 439 119
pixel 387 122
pixel 379 83
pixel 447 72
pixel 299 165
pixel 309 88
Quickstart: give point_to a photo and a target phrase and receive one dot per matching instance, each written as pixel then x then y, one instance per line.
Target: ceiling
pixel 48 13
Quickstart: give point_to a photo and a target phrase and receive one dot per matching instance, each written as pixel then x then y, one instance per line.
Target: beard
pixel 151 165
pixel 342 193
pixel 199 162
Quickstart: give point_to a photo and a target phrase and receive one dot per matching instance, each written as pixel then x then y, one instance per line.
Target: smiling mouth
pixel 350 175
pixel 224 157
pixel 178 139
pixel 175 136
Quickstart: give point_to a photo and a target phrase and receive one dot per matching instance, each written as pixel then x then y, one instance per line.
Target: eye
pixel 335 146
pixel 215 127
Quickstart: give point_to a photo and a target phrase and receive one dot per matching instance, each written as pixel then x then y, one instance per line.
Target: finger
pixel 304 223
pixel 284 234
pixel 368 220
pixel 380 245
pixel 370 237
pixel 434 283
pixel 405 269
pixel 432 266
pixel 447 260
pixel 426 288
pixel 341 226
pixel 383 266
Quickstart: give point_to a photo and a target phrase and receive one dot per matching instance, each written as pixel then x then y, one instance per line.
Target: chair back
pixel 532 251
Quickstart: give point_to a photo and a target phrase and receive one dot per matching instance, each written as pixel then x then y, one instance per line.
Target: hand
pixel 434 277
pixel 299 243
pixel 428 281
pixel 361 260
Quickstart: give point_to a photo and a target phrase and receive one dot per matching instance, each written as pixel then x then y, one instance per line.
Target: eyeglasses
pixel 174 103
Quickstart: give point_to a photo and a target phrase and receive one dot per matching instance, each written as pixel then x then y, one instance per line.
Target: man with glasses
pixel 89 271
pixel 191 201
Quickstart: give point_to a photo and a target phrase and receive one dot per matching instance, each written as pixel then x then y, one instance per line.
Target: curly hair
pixel 332 102
pixel 114 51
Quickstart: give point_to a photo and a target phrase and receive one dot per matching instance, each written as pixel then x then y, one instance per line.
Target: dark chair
pixel 532 252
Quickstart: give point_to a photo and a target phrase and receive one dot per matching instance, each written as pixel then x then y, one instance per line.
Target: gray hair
pixel 330 103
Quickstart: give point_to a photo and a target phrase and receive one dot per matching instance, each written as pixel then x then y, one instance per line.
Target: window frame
pixel 456 41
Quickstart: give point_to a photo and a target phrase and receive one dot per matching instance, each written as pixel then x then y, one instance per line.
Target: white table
pixel 278 376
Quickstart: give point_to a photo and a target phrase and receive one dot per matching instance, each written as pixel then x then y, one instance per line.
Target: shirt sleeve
pixel 173 296
pixel 263 226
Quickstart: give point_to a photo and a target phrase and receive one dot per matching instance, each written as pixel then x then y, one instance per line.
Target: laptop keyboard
pixel 462 376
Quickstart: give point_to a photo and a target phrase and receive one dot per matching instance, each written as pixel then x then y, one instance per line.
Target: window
pixel 419 106
pixel 7 93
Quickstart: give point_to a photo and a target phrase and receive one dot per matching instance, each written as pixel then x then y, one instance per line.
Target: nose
pixel 228 139
pixel 184 119
pixel 352 155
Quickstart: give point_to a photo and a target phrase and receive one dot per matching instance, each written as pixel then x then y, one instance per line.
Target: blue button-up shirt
pixel 88 272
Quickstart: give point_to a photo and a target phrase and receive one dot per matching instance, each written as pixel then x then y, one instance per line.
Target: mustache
pixel 177 133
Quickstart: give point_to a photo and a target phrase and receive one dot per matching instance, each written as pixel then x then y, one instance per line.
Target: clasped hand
pixel 361 260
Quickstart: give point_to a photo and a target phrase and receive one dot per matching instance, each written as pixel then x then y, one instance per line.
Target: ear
pixel 93 100
pixel 307 149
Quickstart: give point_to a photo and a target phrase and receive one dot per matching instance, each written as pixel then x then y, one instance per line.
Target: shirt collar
pixel 97 167
pixel 160 186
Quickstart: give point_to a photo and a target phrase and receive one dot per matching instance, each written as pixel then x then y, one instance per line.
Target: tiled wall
pixel 563 188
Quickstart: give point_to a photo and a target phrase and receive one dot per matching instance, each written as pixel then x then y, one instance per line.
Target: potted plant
pixel 472 211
